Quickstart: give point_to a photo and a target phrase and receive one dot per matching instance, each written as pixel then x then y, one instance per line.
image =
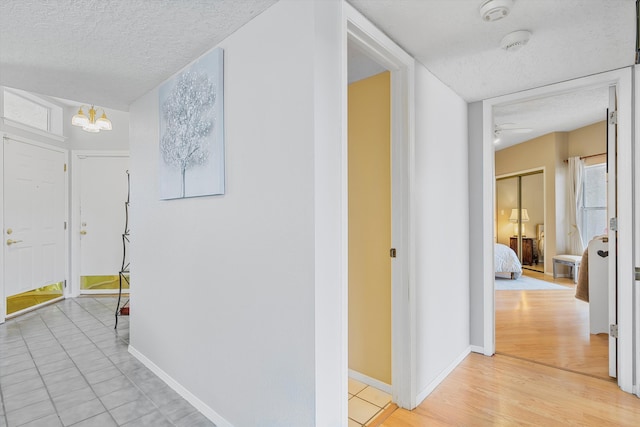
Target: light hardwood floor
pixel 564 380
pixel 505 391
pixel 550 327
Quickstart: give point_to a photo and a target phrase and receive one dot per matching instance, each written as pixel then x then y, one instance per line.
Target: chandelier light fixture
pixel 90 123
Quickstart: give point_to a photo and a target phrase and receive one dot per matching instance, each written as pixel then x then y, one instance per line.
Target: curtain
pixel 575 245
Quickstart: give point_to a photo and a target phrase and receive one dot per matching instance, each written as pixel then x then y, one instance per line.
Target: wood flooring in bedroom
pixel 548 371
pixel 550 327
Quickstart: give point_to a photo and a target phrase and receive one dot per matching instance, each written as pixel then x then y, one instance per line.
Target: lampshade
pixel 90 124
pixel 514 215
pixel 514 218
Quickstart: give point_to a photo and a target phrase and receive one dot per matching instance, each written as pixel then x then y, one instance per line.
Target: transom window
pixel 26 111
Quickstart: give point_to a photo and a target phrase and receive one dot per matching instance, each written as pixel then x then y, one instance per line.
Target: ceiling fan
pixel 507 128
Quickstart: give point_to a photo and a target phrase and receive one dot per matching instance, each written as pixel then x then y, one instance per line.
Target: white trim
pixel 73 290
pixel 636 109
pixel 205 409
pixel 365 379
pixel 403 312
pixel 622 79
pixel 436 382
pixel 17 125
pixel 476 349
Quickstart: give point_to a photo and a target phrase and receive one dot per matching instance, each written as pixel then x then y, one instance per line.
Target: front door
pixel 34 219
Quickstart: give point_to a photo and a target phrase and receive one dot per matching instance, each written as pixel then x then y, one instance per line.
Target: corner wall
pixel 442 230
pixel 224 286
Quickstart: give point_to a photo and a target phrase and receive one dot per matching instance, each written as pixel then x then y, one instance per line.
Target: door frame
pixel 622 79
pixel 403 311
pixel 65 152
pixel 74 228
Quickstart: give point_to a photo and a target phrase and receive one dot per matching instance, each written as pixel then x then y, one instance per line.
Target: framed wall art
pixel 191 109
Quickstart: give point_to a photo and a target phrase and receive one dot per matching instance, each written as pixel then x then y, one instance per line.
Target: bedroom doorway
pixel 546 321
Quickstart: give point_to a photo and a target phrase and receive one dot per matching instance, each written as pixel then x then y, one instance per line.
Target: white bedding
pixel 506 261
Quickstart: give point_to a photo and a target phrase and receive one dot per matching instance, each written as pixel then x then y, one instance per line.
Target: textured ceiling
pixel 560 113
pixel 570 39
pixel 109 52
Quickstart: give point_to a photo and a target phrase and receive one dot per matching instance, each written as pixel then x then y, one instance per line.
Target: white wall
pixel 442 235
pixel 224 298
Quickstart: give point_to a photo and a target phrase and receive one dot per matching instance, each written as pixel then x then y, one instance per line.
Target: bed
pixel 506 262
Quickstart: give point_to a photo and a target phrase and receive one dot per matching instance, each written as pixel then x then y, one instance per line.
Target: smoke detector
pixel 494 10
pixel 514 41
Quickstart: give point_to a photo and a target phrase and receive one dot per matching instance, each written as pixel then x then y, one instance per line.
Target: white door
pixel 103 192
pixel 34 217
pixel 612 145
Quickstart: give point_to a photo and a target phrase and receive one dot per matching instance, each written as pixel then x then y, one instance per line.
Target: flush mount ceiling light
pixel 494 10
pixel 514 41
pixel 91 124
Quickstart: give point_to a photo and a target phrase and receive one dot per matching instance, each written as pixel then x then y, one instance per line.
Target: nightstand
pixel 527 249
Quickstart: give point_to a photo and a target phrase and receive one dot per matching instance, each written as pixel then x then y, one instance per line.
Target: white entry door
pixel 103 187
pixel 34 217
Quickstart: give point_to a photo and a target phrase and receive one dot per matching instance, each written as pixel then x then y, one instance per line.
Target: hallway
pixel 65 365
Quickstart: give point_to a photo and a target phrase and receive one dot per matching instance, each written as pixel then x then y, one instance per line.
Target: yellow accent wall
pixel 370 227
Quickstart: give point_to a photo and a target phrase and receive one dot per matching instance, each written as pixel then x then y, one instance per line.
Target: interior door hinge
pixel 613 118
pixel 65 283
pixel 613 331
pixel 65 167
pixel 613 224
pixel 65 225
pixel 392 252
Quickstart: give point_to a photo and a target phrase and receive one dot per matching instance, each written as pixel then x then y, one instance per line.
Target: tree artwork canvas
pixel 192 130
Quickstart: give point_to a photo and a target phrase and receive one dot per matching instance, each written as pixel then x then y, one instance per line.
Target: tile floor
pixel 365 403
pixel 65 365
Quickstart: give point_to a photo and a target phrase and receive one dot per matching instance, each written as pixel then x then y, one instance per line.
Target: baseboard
pixel 212 415
pixel 369 381
pixel 476 349
pixel 432 386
